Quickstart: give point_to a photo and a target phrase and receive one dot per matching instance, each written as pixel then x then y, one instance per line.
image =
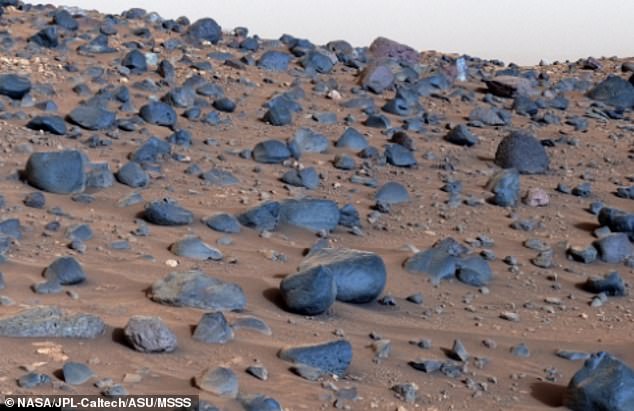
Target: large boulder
pixel 198 290
pixel 274 60
pixel 56 171
pixel 605 383
pixel 360 276
pixel 523 152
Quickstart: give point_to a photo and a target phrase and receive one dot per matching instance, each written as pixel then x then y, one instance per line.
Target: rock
pixel 360 276
pixel 458 352
pixel 307 372
pixel 220 381
pixel 614 248
pixel 213 329
pixel 318 60
pixel 349 216
pixel 264 217
pixel 311 214
pixel 149 334
pixel 505 186
pixel 509 86
pixel 489 116
pixel 181 97
pixel 47 37
pixel 306 140
pixel 520 350
pixel 279 113
pixel 586 255
pixel 224 223
pixel 260 402
pixel 383 48
pixel 474 270
pixel 307 178
pixel 152 150
pixel 51 322
pixel 193 247
pixel 59 172
pixel 197 290
pixel 617 220
pixel 399 156
pixel 332 357
pixel 377 78
pixel 274 60
pixel 614 91
pixel 572 355
pixel 536 197
pixel 135 61
pixel 523 152
pixel 611 284
pixel 158 113
pixel 406 392
pixel 253 324
pixel 271 152
pixel 14 86
pixel 76 373
pixel 33 380
pixel 92 117
pixel 352 139
pixel 35 199
pixel 258 372
pixel 392 193
pixel 416 298
pixel 63 18
pixel 65 271
pixel 50 124
pixel 219 177
pixel 462 136
pixel 168 213
pixel 133 175
pixel 439 262
pixel 309 292
pixel 205 29
pixel 604 383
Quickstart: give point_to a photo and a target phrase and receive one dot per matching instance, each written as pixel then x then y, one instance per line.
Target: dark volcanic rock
pixel 224 223
pixel 51 322
pixel 611 284
pixel 604 383
pixel 505 186
pixel 399 156
pixel 167 212
pixel 135 61
pixel 360 276
pixel 274 60
pixel 76 373
pixel 149 335
pixel 509 86
pixel 213 328
pixel 260 402
pixel 65 271
pixel 193 247
pixel 306 140
pixel 614 248
pixel 271 152
pixel 57 171
pixel 377 78
pixel 309 292
pixel 332 357
pixel 439 262
pixel 352 139
pixel 50 124
pixel 219 381
pixel 462 136
pixel 158 113
pixel 198 290
pixel 392 193
pixel 133 175
pixel 306 177
pixel 14 86
pixel 311 214
pixel 266 216
pixel 384 48
pixel 92 117
pixel 205 29
pixel 523 152
pixel 614 91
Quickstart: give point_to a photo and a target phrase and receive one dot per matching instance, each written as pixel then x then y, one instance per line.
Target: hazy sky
pixel 523 31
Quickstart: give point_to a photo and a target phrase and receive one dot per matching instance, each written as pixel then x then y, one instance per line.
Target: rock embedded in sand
pixel 610 284
pixel 149 334
pixel 259 402
pixel 264 217
pixel 333 357
pixel 14 86
pixel 133 175
pixel 614 91
pixel 59 172
pixel 193 247
pixel 309 292
pixel 76 373
pixel 510 86
pixel 274 60
pixel 377 78
pixel 158 113
pixel 352 139
pixel 604 383
pixel 220 381
pixel 51 322
pixel 168 213
pixel 360 276
pixel 523 152
pixel 198 290
pixel 392 192
pixel 92 117
pixel 614 248
pixel 271 152
pixel 312 214
pixel 205 29
pixel 65 271
pixel 461 135
pixel 224 223
pixel 50 124
pixel 213 328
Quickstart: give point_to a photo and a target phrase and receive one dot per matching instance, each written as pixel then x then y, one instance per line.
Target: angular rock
pixel 505 186
pixel 399 156
pixel 65 271
pixel 377 78
pixel 614 91
pixel 306 177
pixel 135 61
pixel 198 290
pixel 193 247
pixel 332 357
pixel 92 117
pixel 205 29
pixel 614 248
pixel 76 373
pixel 274 60
pixel 461 136
pixel 311 214
pixel 352 139
pixel 384 48
pixel 271 152
pixel 260 402
pixel 213 329
pixel 158 113
pixel 50 124
pixel 149 334
pixel 59 172
pixel 224 223
pixel 14 86
pixel 611 284
pixel 509 86
pixel 133 175
pixel 306 140
pixel 168 213
pixel 264 217
pixel 309 292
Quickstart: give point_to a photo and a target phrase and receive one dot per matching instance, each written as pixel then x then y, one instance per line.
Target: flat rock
pixel 193 247
pixel 213 328
pixel 509 86
pixel 149 334
pixel 50 124
pixel 198 290
pixel 51 322
pixel 133 175
pixel 224 223
pixel 92 117
pixel 332 357
pixel 259 402
pixel 614 91
pixel 271 152
pixel 220 381
pixel 168 213
pixel 264 217
pixel 311 214
pixel 14 86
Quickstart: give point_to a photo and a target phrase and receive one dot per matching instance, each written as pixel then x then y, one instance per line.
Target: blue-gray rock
pixel 360 276
pixel 193 247
pixel 604 383
pixel 309 292
pixel 521 350
pixel 152 150
pixel 523 152
pixel 98 45
pixel 625 192
pixel 349 216
pixel 135 61
pixel 59 172
pixel 462 136
pixel 352 139
pixel 509 86
pixel 50 124
pixel 92 117
pixel 47 37
pixel 213 328
pixel 205 29
pixel 271 152
pixel 399 156
pixel 133 175
pixel 377 78
pixel 168 213
pixel 51 322
pixel 264 217
pixel 224 223
pixel 617 220
pixel 611 284
pixel 259 402
pixel 474 270
pixel 219 177
pixel 65 271
pixel 306 140
pixel 279 113
pixel 220 381
pixel 274 60
pixel 14 86
pixel 99 176
pixel 392 193
pixel 614 91
pixel 35 199
pixel 490 116
pixel 76 373
pixel 33 380
pixel 225 104
pixel 439 262
pixel 64 19
pixel 253 324
pixel 198 290
pixel 81 232
pixel 505 186
pixel 182 97
pixel 344 162
pixel 159 113
pixel 319 61
pixel 332 357
pixel 11 228
pixel 149 334
pixel 306 177
pixel 383 48
pixel 614 248
pixel 312 214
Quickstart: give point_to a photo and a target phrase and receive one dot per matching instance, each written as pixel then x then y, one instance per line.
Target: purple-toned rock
pixel 385 49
